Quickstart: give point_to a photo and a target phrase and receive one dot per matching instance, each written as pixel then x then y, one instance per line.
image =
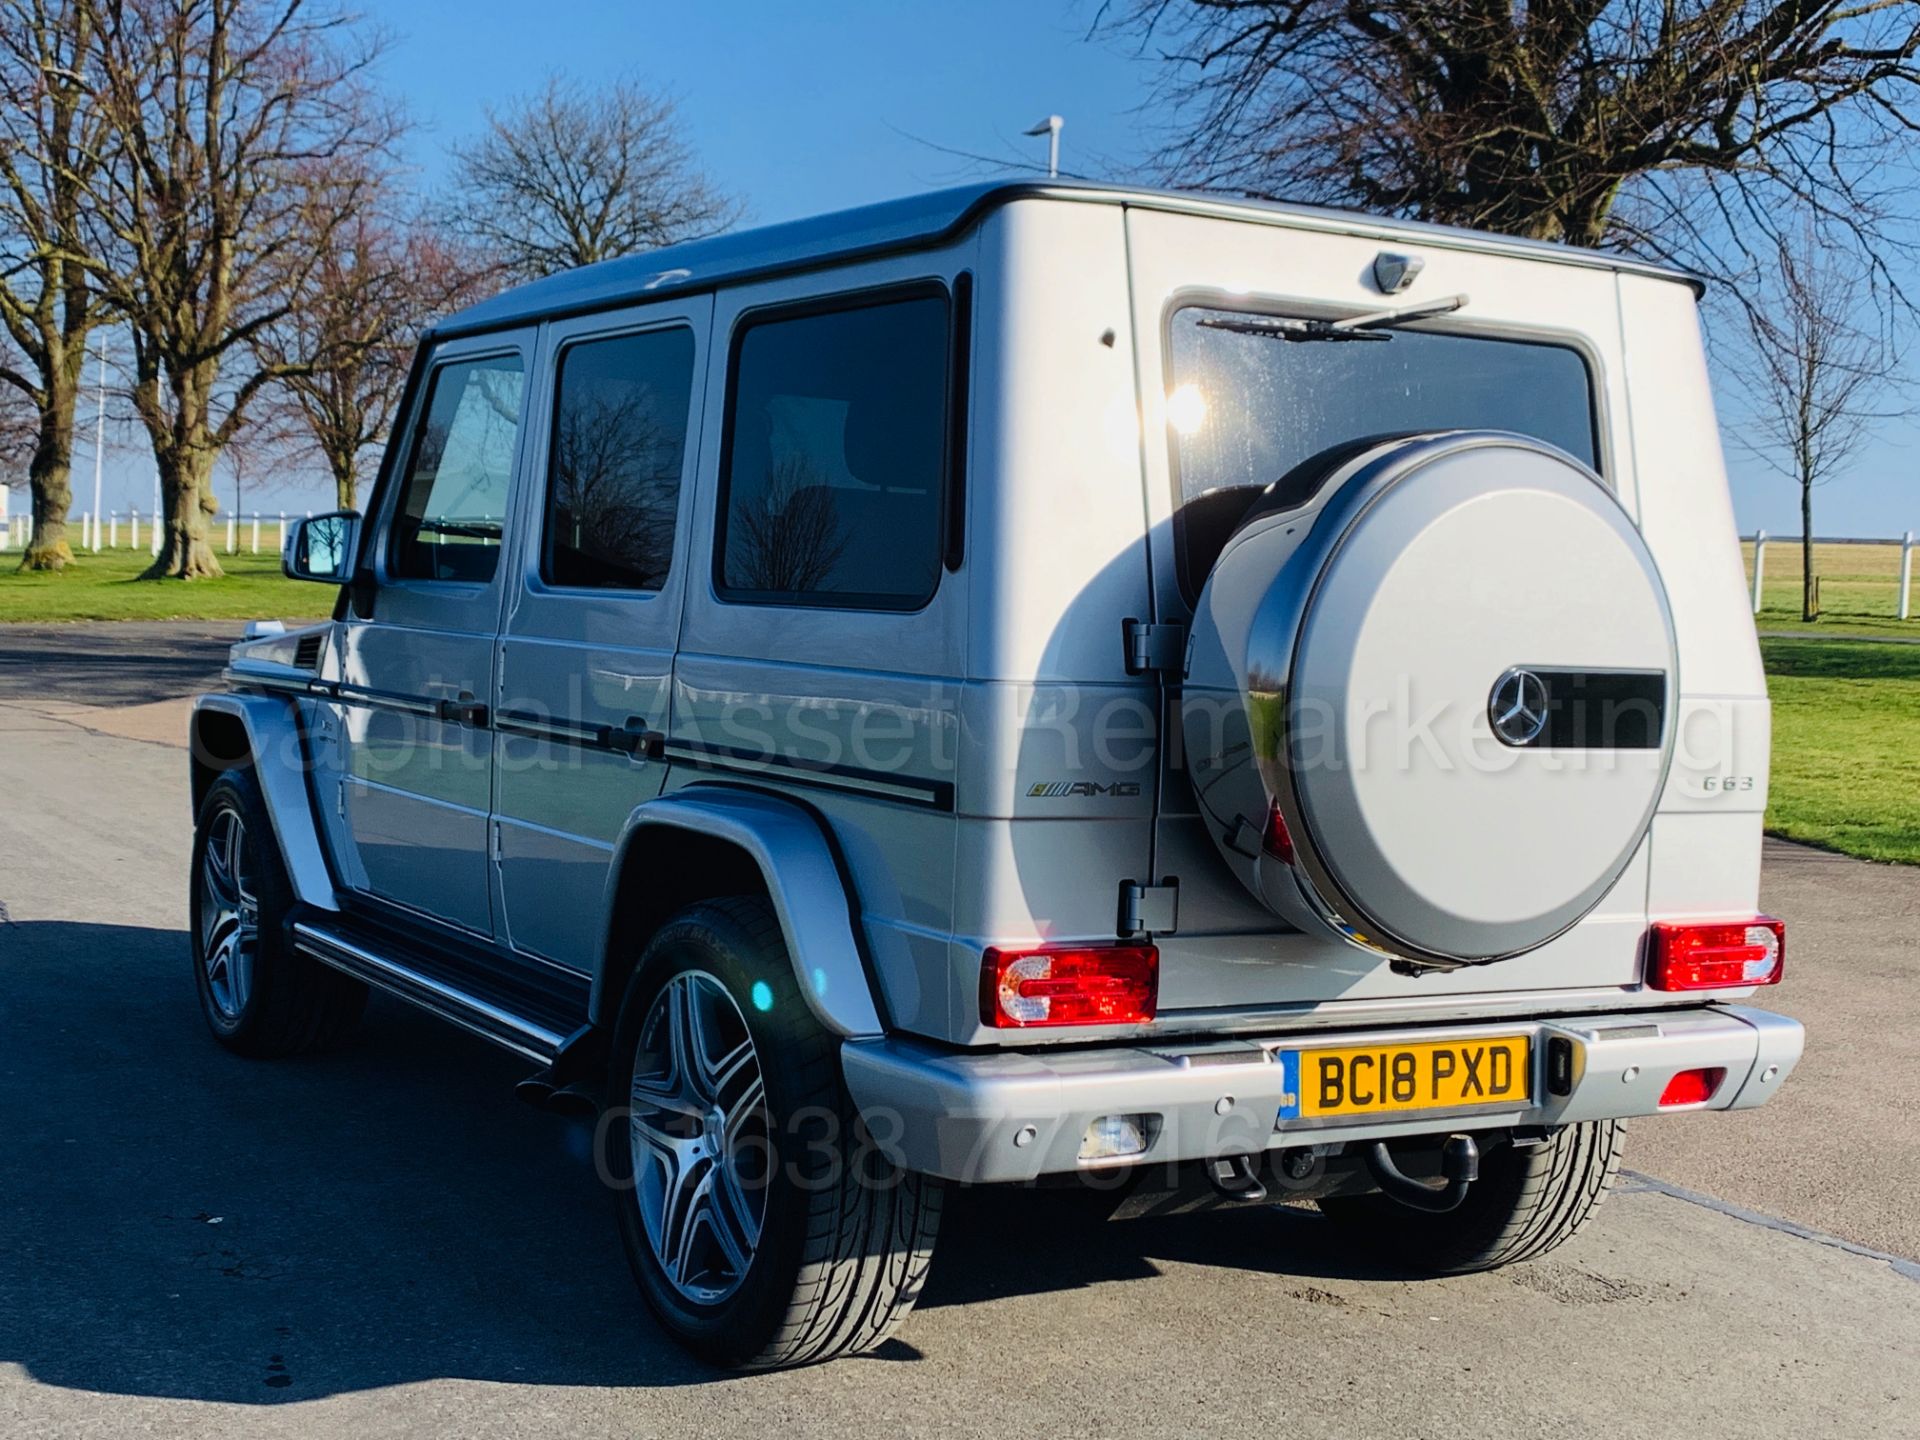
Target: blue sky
pixel 806 108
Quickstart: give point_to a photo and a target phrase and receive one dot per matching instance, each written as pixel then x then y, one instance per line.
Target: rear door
pixel 586 651
pixel 1535 348
pixel 417 657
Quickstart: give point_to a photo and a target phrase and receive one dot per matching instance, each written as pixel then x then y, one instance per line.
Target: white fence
pixel 135 530
pixel 1901 580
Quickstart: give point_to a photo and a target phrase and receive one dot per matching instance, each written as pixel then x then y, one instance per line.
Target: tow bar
pixel 1459 1163
pixel 1237 1177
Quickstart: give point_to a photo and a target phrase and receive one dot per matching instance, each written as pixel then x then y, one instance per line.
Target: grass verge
pixel 106 587
pixel 1859 590
pixel 1846 746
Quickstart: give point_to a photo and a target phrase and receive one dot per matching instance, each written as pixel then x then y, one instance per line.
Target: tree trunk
pixel 345 482
pixel 50 476
pixel 186 498
pixel 1807 611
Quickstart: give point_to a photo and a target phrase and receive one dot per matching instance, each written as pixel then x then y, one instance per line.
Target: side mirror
pixel 321 547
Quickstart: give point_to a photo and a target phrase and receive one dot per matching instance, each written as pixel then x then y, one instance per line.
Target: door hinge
pixel 493 841
pixel 1149 909
pixel 340 800
pixel 1155 649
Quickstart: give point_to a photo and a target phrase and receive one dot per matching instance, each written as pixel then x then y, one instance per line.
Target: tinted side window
pixel 836 456
pixel 453 499
pixel 619 437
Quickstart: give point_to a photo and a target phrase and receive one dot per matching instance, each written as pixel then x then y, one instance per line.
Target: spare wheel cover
pixel 1457 578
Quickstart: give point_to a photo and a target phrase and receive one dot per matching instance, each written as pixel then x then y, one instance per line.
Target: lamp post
pixel 99 441
pixel 1050 127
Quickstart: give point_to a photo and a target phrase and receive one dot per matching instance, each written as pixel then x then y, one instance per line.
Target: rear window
pixel 835 464
pixel 1243 410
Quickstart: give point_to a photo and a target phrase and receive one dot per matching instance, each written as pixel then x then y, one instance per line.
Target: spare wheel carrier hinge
pixel 1155 648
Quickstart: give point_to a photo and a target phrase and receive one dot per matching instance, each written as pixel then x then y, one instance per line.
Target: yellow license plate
pixel 1410 1075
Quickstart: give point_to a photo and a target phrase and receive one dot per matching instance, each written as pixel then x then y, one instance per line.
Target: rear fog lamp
pixel 1692 1087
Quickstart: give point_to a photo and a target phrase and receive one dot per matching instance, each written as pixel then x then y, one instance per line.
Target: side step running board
pixel 451 1003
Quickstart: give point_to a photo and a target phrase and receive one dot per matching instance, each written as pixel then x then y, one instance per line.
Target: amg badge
pixel 1061 789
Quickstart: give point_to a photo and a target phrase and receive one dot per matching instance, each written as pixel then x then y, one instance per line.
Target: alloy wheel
pixel 229 916
pixel 700 1138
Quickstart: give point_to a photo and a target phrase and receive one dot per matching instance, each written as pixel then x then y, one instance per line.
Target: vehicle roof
pixel 920 221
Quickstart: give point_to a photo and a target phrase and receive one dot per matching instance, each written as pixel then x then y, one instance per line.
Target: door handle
pixel 464 711
pixel 634 739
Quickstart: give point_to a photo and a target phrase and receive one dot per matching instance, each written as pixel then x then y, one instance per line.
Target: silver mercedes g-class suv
pixel 1238 703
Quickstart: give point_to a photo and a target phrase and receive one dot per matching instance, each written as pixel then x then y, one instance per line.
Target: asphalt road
pixel 122 664
pixel 386 1243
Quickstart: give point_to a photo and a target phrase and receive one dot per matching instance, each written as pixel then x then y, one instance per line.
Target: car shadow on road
pixel 177 1221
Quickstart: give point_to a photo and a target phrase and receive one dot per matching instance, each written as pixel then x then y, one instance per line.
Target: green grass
pixel 1859 590
pixel 1846 746
pixel 105 587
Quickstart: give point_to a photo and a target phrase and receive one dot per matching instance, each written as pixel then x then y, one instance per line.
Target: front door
pixel 417 653
pixel 586 653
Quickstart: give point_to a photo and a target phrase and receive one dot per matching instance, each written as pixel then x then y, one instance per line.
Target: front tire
pixel 1525 1203
pixel 763 1226
pixel 260 996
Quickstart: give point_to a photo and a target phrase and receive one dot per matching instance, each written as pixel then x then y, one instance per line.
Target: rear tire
pixel 1525 1203
pixel 259 995
pixel 837 1239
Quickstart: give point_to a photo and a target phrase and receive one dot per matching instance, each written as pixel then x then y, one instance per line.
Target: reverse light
pixel 1716 956
pixel 1115 1137
pixel 1692 1087
pixel 1069 985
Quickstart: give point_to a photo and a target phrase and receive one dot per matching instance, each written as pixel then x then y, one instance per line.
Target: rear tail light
pixel 1719 956
pixel 1692 1087
pixel 1069 985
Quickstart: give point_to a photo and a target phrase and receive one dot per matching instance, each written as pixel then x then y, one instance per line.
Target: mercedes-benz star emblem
pixel 1518 706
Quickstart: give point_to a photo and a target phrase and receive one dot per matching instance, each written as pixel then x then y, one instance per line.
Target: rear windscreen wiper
pixel 1372 326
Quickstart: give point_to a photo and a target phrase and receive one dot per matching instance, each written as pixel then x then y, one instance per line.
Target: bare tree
pixel 1542 119
pixel 262 458
pixel 19 428
pixel 616 480
pixel 1811 380
pixel 570 176
pixel 51 134
pixel 369 287
pixel 244 133
pixel 788 538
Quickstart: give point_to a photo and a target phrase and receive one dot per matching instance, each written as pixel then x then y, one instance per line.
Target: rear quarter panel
pixel 1706 834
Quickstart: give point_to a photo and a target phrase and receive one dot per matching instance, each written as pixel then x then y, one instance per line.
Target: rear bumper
pixel 1013 1116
